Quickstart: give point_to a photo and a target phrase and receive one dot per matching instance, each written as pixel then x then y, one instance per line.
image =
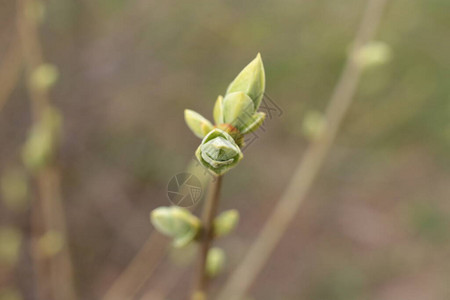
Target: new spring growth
pixel 215 261
pixel 218 151
pixel 42 139
pixel 225 222
pixel 234 115
pixel 177 223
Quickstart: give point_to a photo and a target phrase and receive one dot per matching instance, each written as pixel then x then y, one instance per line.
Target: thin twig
pixel 49 209
pixel 165 283
pixel 139 270
pixel 10 71
pixel 285 211
pixel 209 212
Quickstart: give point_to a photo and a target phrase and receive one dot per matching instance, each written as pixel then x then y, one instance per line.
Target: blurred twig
pixel 10 70
pixel 139 270
pixel 274 228
pixel 209 213
pixel 48 211
pixel 165 284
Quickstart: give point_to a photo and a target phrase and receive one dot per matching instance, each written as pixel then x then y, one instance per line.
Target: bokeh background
pixel 376 223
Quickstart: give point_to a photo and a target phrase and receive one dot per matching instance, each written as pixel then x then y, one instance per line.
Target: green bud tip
pixel 42 139
pixel 218 152
pixel 199 125
pixel 251 81
pixel 177 223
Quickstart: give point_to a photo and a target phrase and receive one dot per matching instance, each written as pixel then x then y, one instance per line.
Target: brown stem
pixel 10 70
pixel 209 212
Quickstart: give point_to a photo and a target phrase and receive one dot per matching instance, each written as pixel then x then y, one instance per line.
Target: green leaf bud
pixel 218 152
pixel 225 222
pixel 313 124
pixel 42 139
pixel 256 121
pixel 176 222
pixel 44 76
pixel 215 261
pixel 218 110
pixel 197 123
pixel 373 54
pixel 51 243
pixel 250 81
pixel 238 110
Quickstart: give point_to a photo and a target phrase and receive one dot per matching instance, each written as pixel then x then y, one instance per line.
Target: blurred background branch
pixel 139 270
pixel 50 244
pixel 286 209
pixel 10 70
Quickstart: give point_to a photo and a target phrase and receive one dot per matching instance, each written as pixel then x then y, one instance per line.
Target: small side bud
pixel 44 76
pixel 251 81
pixel 313 124
pixel 225 222
pixel 257 120
pixel 51 243
pixel 42 139
pixel 197 123
pixel 215 262
pixel 176 222
pixel 373 54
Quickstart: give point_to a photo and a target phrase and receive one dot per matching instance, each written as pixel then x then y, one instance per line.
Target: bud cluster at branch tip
pixel 234 115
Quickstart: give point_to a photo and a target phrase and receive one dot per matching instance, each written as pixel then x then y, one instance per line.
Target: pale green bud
pixel 218 152
pixel 225 222
pixel 218 110
pixel 44 76
pixel 51 243
pixel 238 110
pixel 42 139
pixel 215 261
pixel 197 123
pixel 177 223
pixel 313 124
pixel 250 81
pixel 256 121
pixel 373 54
